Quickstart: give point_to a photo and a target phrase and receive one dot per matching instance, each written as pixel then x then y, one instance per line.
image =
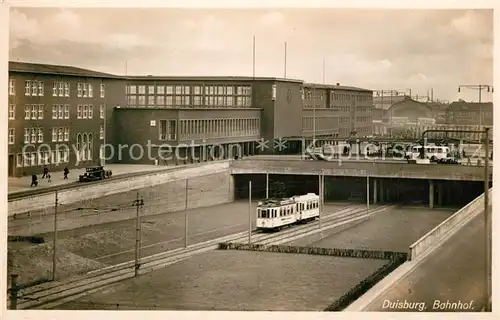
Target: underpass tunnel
pixel 431 193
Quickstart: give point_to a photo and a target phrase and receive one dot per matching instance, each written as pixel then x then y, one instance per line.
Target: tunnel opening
pixel 435 193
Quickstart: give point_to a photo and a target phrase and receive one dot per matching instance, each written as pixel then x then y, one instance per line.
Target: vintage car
pixel 95 173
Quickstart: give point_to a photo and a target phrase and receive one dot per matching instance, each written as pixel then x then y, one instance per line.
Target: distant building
pixel 470 113
pixel 392 112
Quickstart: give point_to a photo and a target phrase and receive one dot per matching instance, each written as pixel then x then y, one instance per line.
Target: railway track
pixel 51 294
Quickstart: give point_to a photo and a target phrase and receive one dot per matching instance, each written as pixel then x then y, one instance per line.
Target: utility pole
pixel 54 250
pixel 267 185
pixel 320 193
pixel 367 192
pixel 324 70
pixel 285 59
pixel 186 215
pixel 138 203
pixel 314 115
pixel 381 94
pixel 479 88
pixel 253 58
pixel 487 220
pixel 249 212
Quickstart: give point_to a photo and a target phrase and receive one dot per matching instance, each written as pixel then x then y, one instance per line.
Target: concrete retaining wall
pixel 359 169
pixel 152 185
pixel 447 227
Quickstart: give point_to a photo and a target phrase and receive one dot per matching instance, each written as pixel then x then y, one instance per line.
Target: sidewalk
pixel 23 183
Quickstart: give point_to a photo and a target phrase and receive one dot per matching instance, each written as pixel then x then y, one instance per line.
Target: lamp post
pixel 479 88
pixel 487 220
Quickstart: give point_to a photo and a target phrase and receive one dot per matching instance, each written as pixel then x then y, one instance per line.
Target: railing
pixel 445 228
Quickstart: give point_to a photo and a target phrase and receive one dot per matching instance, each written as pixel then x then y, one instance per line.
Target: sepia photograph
pixel 249 159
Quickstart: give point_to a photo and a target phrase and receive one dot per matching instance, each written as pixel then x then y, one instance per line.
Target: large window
pixel 12 87
pixel 85 90
pixel 168 130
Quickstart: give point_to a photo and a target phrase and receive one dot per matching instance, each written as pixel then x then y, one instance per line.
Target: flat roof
pixel 333 87
pixel 187 108
pixel 209 78
pixel 28 67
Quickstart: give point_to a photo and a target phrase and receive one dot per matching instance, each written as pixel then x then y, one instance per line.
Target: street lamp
pixel 186 213
pixel 487 222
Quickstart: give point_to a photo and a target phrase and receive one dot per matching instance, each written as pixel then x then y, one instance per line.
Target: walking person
pixel 49 180
pixel 45 171
pixel 66 172
pixel 34 180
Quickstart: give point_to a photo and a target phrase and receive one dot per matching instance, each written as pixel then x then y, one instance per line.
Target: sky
pixel 374 49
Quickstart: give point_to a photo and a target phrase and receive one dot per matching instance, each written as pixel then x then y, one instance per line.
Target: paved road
pixel 454 272
pixel 394 230
pixel 17 184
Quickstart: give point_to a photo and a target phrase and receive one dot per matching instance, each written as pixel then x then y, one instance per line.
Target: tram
pixel 273 214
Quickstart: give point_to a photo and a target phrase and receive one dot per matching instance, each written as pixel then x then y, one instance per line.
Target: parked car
pixel 95 173
pixel 448 160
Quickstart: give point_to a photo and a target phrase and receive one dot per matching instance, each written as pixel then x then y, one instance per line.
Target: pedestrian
pixel 48 178
pixel 66 172
pixel 45 171
pixel 34 180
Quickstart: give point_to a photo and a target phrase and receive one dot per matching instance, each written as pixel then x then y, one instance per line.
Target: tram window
pixel 439 150
pixel 259 213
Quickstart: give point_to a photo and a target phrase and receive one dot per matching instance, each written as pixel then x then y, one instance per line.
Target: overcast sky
pixel 374 49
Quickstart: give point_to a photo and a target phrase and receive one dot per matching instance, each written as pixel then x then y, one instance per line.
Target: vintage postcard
pixel 272 158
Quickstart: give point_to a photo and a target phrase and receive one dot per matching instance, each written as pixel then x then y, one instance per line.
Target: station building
pixel 56 116
pixel 93 116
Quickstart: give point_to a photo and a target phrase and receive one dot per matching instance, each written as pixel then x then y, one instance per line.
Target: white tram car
pixel 276 213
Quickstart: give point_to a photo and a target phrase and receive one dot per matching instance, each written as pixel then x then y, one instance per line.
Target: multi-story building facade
pixel 187 119
pixel 56 116
pixel 70 117
pixel 339 111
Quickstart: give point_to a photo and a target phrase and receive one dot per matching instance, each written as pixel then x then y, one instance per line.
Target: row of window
pixel 59 89
pixel 218 128
pixel 84 148
pixel 59 111
pixel 180 101
pixel 364 119
pixel 33 159
pixel 183 90
pixel 35 135
pixel 322 123
pixel 363 109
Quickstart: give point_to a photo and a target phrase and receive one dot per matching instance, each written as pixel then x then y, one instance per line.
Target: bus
pixel 432 152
